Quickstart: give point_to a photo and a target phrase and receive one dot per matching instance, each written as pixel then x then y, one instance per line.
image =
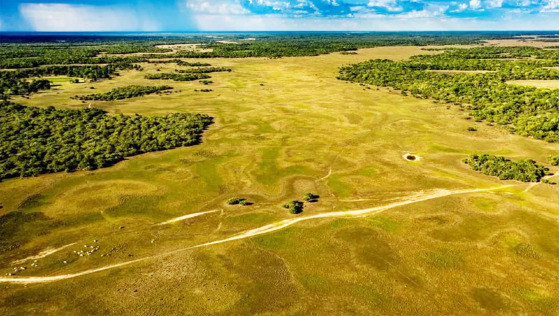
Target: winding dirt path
pixel 258 231
pixel 42 254
pixel 326 176
pixel 187 216
pixel 532 185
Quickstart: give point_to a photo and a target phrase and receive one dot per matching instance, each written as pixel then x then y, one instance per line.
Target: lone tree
pixel 238 201
pixel 294 207
pixel 311 197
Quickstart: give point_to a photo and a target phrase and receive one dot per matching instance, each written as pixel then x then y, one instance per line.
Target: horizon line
pixel 282 31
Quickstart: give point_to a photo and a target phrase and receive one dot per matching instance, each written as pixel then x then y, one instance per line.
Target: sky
pixel 277 15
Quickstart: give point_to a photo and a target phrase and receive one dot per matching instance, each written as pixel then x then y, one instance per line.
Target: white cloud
pixel 58 17
pixel 475 4
pixel 495 3
pixel 432 18
pixel 215 7
pixel 390 5
pixel 461 7
pixel 551 6
pixel 417 14
pixel 524 3
pixel 381 3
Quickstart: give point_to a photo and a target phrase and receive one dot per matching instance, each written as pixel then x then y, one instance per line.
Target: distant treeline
pixel 506 169
pixel 81 51
pixel 44 140
pixel 124 93
pixel 96 57
pixel 524 110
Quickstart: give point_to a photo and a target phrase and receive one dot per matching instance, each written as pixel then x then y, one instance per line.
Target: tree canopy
pixel 44 140
pixel 124 93
pixel 506 169
pixel 524 110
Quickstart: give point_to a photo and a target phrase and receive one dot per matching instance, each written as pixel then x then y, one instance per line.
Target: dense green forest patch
pixel 527 111
pixel 16 83
pixel 13 86
pixel 93 72
pixel 554 160
pixel 189 64
pixel 37 140
pixel 506 169
pixel 124 93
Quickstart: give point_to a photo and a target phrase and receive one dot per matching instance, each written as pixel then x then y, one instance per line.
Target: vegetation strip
pixel 203 70
pixel 124 93
pixel 177 76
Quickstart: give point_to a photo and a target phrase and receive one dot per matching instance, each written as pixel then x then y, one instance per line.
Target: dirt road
pixel 258 231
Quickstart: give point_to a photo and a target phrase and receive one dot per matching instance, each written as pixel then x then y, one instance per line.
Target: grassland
pixel 545 84
pixel 285 127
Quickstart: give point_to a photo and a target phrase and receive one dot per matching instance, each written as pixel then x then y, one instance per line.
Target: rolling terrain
pixel 154 235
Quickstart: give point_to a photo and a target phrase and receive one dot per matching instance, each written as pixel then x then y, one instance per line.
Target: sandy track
pixel 258 231
pixel 45 279
pixel 326 176
pixel 355 213
pixel 187 216
pixel 534 184
pixel 42 254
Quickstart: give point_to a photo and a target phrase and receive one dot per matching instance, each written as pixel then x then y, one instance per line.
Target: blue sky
pixel 265 15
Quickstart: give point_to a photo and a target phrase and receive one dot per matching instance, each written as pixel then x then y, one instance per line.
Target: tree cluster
pixel 196 64
pixel 294 207
pixel 238 201
pixel 15 83
pixel 44 140
pixel 525 110
pixel 177 76
pixel 124 93
pixel 203 70
pixel 14 86
pixel 311 197
pixel 506 169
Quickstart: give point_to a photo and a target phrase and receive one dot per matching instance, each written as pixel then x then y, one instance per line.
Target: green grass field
pixel 285 127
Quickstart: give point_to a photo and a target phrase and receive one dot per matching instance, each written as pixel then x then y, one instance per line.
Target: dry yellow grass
pixel 521 42
pixel 545 84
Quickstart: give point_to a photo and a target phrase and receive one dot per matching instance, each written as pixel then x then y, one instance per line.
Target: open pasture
pixel 545 84
pixel 285 127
